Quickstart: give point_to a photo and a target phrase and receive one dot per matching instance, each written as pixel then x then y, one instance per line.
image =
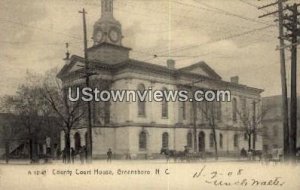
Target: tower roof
pixel 107 28
pixel 107 8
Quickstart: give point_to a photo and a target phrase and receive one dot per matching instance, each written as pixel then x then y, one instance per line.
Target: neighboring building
pixel 143 128
pixel 14 137
pixel 272 123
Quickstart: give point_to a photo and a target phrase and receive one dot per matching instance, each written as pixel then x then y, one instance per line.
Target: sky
pixel 226 34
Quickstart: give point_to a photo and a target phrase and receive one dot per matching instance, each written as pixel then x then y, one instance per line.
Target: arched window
pixel 164 105
pixel 244 105
pixel 189 139
pixel 141 103
pixel 165 140
pixel 77 141
pixel 111 6
pixel 221 140
pixel 143 140
pixel 201 141
pixel 211 140
pixel 236 140
pixel 106 6
pixel 234 109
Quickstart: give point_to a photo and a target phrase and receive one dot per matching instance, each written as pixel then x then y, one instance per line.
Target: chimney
pixel 235 79
pixel 171 64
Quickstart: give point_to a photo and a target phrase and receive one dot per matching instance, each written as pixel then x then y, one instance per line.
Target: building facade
pixel 144 128
pixel 272 123
pixel 15 138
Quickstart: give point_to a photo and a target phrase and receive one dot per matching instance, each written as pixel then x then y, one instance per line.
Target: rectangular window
pixel 183 111
pixel 164 111
pixel 143 141
pixel 234 110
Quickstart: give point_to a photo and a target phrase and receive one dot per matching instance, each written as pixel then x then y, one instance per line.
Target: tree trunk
pixel 30 149
pixel 30 144
pixel 216 148
pixel 68 146
pixel 249 141
pixel 215 142
pixel 7 151
pixel 214 133
pixel 33 149
pixel 253 141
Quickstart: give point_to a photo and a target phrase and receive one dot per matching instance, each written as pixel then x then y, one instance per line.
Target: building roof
pixel 203 65
pixel 211 75
pixel 105 44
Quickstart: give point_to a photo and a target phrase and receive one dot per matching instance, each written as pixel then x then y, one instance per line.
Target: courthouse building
pixel 144 128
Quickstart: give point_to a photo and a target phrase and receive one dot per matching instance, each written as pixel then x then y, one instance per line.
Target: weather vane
pixel 67 53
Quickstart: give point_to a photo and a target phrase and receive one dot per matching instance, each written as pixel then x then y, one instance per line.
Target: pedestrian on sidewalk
pixel 109 155
pixel 72 155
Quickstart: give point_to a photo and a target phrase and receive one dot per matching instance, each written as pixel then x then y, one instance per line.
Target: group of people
pixel 251 154
pixel 82 152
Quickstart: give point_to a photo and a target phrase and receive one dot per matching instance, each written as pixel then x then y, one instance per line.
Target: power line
pixel 225 12
pixel 220 39
pixel 21 43
pixel 198 45
pixel 219 10
pixel 250 4
pixel 166 50
pixel 38 28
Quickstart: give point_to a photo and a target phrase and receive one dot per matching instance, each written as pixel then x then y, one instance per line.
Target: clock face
pixel 114 35
pixel 99 36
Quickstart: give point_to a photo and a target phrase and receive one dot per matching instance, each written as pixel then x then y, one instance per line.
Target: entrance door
pixel 201 141
pixel 77 141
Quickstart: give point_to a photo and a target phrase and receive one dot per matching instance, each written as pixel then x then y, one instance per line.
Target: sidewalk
pixel 158 161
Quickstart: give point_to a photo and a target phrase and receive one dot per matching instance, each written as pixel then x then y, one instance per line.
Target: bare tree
pixel 211 113
pixel 251 120
pixel 68 113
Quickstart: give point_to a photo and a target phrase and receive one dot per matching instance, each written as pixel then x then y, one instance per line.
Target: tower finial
pixel 107 8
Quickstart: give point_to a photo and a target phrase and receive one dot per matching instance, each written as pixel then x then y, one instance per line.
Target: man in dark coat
pixel 109 155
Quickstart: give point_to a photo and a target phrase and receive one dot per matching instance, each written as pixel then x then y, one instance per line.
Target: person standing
pixel 109 155
pixel 243 153
pixel 64 155
pixel 72 155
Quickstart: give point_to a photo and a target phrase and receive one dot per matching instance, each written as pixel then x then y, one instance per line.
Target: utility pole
pixel 89 145
pixel 284 100
pixel 293 131
pixel 291 26
pixel 254 125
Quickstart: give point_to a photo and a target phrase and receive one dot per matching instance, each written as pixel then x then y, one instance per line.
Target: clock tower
pixel 107 28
